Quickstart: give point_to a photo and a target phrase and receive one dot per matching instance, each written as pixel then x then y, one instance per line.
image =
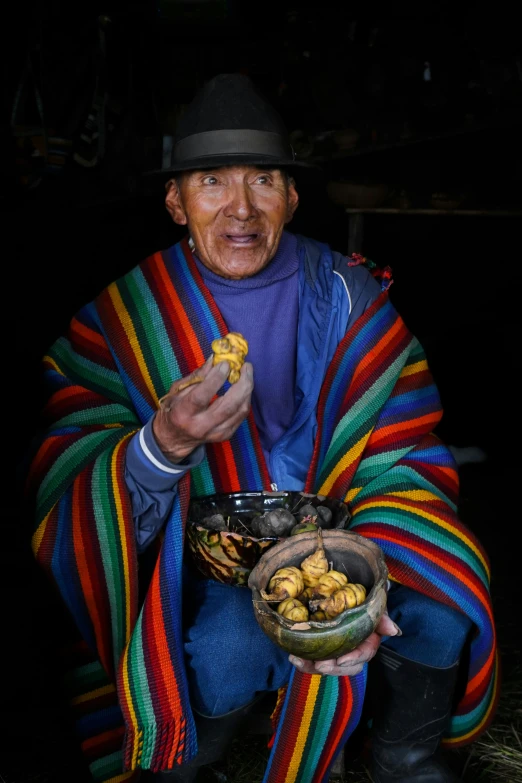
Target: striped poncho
pixel 373 448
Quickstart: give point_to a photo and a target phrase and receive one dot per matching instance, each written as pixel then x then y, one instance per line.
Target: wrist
pixel 171 450
pixel 175 455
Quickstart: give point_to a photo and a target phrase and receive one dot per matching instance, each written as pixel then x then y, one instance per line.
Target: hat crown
pixel 229 123
pixel 229 102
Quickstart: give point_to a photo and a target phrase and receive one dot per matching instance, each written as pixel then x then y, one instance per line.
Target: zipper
pixel 274 456
pixel 309 402
pixel 304 411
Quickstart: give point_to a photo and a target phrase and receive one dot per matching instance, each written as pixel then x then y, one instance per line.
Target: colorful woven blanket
pixel 377 408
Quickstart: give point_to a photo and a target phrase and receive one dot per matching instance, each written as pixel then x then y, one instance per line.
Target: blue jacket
pixel 332 296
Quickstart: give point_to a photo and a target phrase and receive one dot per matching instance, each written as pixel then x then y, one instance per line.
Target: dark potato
pixel 278 522
pixel 215 522
pixel 306 511
pixel 254 527
pixel 324 517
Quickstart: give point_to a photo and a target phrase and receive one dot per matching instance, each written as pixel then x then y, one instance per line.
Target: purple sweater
pixel 247 306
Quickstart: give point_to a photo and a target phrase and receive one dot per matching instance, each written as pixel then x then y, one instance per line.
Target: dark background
pixel 79 210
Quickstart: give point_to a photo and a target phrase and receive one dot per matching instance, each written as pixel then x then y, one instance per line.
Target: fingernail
pixel 223 368
pixel 324 669
pixel 297 662
pixel 399 632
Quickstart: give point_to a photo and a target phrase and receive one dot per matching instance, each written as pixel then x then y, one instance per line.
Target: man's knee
pixel 229 657
pixel 432 632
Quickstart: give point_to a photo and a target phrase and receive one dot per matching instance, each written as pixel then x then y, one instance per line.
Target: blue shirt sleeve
pixel 152 483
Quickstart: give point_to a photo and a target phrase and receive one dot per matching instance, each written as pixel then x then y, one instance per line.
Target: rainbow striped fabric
pixel 313 722
pixel 377 409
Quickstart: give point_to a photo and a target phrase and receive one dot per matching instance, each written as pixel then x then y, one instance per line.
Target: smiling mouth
pixel 241 239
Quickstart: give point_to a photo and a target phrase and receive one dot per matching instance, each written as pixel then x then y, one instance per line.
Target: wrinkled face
pixel 235 215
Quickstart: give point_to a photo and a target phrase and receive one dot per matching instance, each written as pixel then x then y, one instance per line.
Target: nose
pixel 241 204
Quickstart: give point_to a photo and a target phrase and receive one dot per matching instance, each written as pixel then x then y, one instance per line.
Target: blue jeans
pixel 230 659
pixel 432 633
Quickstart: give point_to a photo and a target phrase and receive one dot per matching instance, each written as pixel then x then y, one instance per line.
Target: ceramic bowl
pixel 229 557
pixel 361 559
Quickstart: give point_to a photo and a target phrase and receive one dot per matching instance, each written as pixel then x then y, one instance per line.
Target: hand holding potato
pixel 191 416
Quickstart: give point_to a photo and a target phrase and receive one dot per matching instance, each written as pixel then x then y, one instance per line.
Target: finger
pixel 215 421
pixel 325 667
pixel 246 377
pixel 307 667
pixel 238 396
pixel 200 396
pixel 237 392
pixel 226 429
pixel 363 653
pixel 233 406
pixel 200 372
pixel 206 368
pixel 386 626
pixel 340 671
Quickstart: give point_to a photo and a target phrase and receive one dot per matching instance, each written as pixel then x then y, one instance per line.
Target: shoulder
pixel 357 279
pixel 351 280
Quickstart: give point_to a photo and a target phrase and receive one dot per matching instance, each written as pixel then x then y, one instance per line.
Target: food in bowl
pixel 360 563
pixel 228 533
pixel 313 590
pixel 274 523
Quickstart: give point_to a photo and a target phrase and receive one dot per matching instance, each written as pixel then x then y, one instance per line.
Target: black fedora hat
pixel 229 123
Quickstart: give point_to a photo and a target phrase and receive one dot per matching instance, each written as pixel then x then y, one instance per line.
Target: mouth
pixel 241 239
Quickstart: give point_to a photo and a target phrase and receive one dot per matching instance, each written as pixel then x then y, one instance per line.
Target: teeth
pixel 241 238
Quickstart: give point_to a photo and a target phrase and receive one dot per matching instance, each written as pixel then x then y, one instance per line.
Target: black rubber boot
pixel 411 710
pixel 214 738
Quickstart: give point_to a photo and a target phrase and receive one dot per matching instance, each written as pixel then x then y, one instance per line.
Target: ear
pixel 292 200
pixel 174 203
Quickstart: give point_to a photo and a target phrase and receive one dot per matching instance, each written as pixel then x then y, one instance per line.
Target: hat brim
pixel 219 161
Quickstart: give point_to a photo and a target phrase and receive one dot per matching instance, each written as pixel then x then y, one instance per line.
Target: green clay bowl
pixel 358 557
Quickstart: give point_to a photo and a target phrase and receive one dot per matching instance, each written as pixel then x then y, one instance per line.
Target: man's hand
pixel 191 417
pixel 351 663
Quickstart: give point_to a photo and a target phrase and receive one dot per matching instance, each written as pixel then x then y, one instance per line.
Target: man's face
pixel 235 215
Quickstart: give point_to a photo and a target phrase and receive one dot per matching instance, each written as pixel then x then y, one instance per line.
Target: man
pixel 336 398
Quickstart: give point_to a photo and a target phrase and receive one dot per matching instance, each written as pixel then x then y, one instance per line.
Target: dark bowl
pixel 350 553
pixel 229 557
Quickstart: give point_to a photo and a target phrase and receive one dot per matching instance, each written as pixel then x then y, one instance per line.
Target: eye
pixel 209 180
pixel 263 179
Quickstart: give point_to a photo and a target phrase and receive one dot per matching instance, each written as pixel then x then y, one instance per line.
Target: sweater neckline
pixel 284 264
